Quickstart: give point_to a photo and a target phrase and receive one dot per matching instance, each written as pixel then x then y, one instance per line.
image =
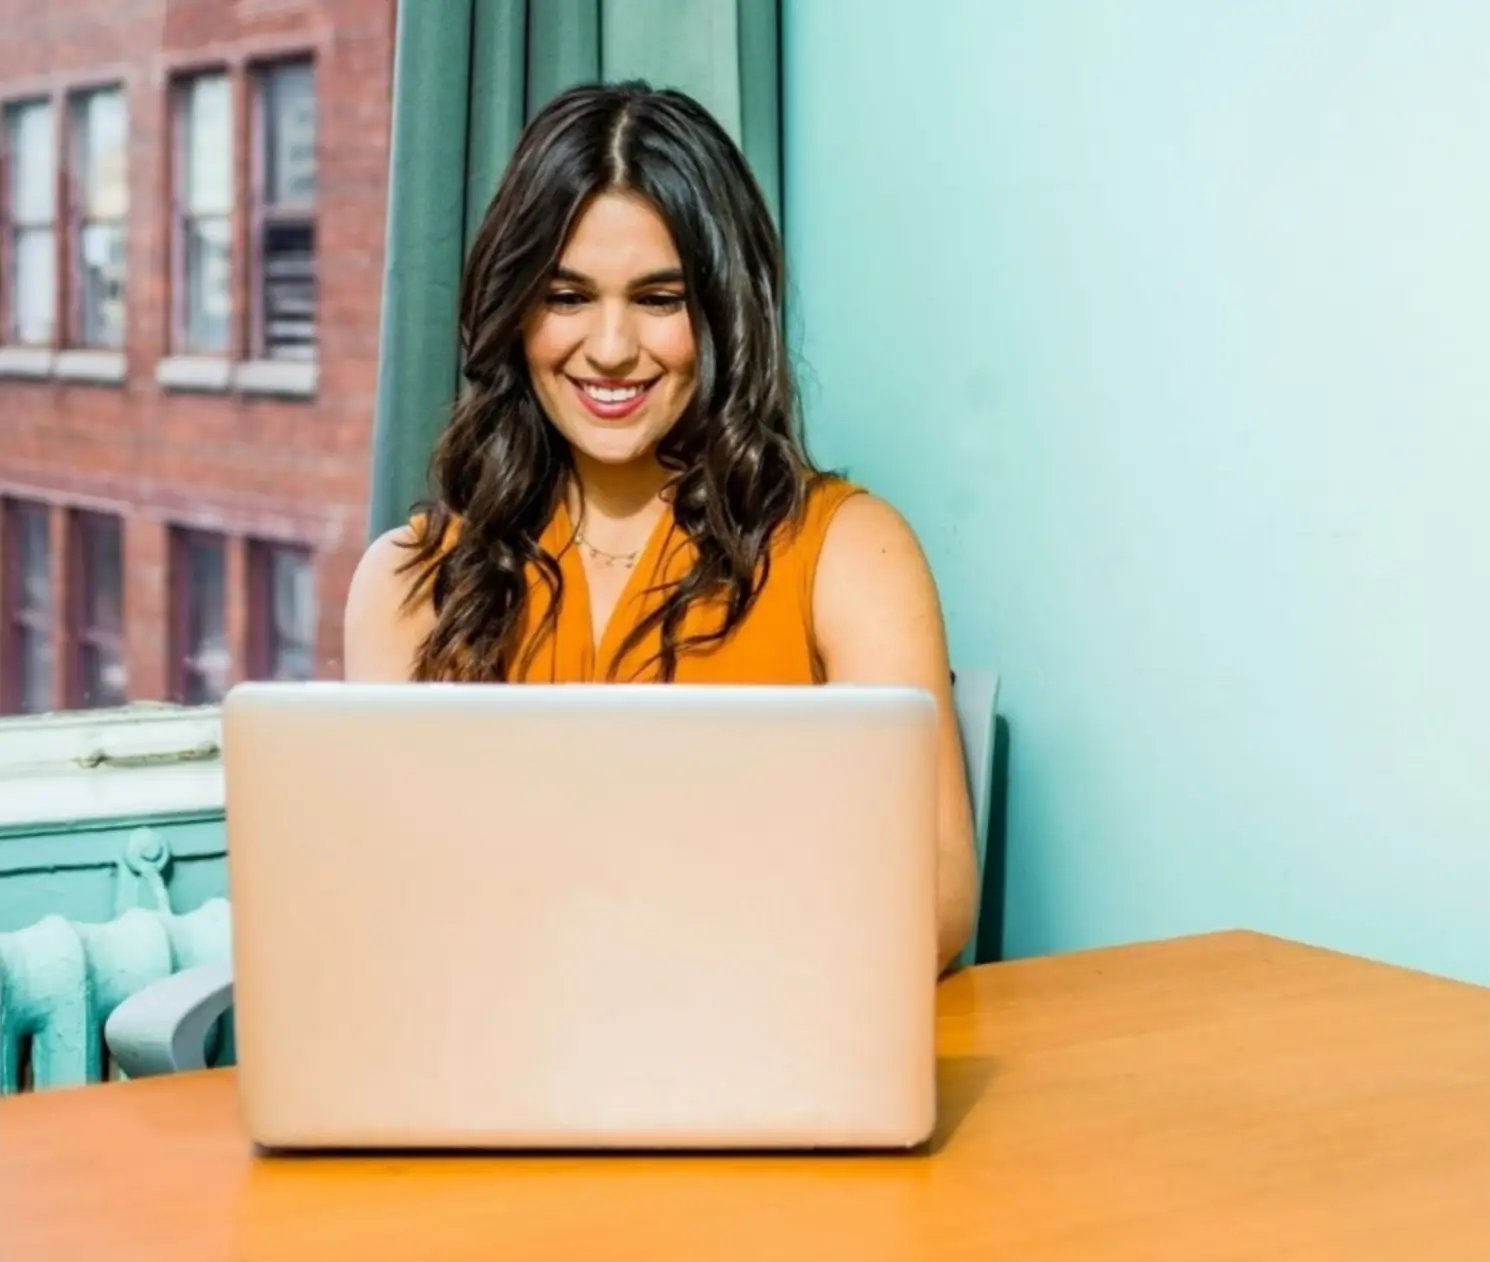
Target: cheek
pixel 546 344
pixel 671 344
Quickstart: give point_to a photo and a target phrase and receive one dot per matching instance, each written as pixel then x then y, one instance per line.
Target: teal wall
pixel 1168 326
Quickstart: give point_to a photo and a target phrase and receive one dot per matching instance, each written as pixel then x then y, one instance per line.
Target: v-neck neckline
pixel 601 648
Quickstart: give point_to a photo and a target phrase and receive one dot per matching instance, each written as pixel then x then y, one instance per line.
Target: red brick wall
pixel 249 467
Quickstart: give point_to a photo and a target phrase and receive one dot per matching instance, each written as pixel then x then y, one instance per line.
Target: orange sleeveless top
pixel 774 644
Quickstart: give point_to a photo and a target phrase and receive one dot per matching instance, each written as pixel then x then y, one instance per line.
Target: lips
pixel 612 400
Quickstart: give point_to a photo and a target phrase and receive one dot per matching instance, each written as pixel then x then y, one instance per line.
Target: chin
pixel 613 447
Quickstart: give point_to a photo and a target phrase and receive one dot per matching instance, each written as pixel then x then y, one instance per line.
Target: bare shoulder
pixel 379 582
pixel 867 523
pixel 874 597
pixel 381 631
pixel 870 548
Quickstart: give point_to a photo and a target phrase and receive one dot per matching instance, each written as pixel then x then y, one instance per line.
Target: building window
pixel 30 244
pixel 100 676
pixel 28 590
pixel 204 215
pixel 200 656
pixel 282 609
pixel 284 250
pixel 99 205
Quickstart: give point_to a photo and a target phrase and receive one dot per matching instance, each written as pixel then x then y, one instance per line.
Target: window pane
pixel 30 550
pixel 102 673
pixel 208 291
pixel 293 596
pixel 102 276
pixel 207 680
pixel 101 154
pixel 289 263
pixel 105 680
pixel 102 547
pixel 205 593
pixel 199 689
pixel 208 660
pixel 34 651
pixel 34 287
pixel 289 95
pixel 33 169
pixel 33 552
pixel 209 146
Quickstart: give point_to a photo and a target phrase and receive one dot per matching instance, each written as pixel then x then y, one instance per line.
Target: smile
pixel 613 400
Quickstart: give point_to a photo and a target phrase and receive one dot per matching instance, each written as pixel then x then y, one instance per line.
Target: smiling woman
pixel 621 335
pixel 623 493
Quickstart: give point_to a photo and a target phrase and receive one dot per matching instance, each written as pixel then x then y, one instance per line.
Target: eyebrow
pixel 668 276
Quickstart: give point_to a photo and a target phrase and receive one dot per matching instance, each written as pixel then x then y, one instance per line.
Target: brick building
pixel 192 204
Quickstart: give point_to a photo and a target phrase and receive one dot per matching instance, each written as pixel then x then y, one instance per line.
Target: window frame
pixel 18 615
pixel 11 230
pixel 184 664
pixel 81 635
pixel 77 219
pixel 263 215
pixel 179 99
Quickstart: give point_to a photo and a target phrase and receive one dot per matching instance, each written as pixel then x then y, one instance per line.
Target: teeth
pixel 603 395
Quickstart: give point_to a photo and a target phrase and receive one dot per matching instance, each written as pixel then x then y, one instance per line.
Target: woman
pixel 622 492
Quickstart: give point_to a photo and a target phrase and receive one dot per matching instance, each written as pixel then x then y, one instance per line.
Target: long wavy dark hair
pixel 739 469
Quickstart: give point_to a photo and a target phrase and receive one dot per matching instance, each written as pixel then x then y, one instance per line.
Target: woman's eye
pixel 663 301
pixel 565 299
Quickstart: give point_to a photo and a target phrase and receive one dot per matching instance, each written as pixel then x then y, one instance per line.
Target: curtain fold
pixel 468 76
pixel 725 53
pixel 563 47
pixel 417 357
pixel 498 101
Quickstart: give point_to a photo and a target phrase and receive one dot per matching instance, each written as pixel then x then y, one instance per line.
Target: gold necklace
pixel 624 559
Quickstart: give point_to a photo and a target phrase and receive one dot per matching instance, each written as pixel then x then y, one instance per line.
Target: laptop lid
pixel 580 916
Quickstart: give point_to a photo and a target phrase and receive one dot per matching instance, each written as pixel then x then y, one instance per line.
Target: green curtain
pixel 467 76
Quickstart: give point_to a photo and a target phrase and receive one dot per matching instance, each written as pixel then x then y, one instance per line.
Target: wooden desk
pixel 1229 1096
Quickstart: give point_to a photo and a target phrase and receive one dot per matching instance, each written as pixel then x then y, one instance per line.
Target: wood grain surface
pixel 1229 1096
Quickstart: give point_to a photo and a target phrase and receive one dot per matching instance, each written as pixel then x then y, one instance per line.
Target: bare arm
pixel 879 621
pixel 380 637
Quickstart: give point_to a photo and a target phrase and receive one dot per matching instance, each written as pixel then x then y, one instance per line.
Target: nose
pixel 611 346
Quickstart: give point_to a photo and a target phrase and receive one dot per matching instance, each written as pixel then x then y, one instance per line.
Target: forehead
pixel 617 237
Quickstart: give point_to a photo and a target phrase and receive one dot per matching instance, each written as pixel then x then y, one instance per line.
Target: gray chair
pixel 975 696
pixel 163 1028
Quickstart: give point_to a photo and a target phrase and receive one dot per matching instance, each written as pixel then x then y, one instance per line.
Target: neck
pixel 613 497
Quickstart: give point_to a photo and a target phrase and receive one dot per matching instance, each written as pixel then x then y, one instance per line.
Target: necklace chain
pixel 624 559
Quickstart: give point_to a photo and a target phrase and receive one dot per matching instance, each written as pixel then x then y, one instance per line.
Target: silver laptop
pixel 583 916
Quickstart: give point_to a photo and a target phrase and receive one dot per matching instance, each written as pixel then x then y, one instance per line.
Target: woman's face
pixel 610 348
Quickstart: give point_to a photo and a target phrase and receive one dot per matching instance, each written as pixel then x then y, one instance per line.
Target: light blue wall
pixel 1168 325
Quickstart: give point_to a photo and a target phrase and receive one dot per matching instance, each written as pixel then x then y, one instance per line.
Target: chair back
pixel 975 696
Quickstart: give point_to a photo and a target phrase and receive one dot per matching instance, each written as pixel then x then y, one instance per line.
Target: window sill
pixel 200 374
pixel 282 378
pixel 142 760
pixel 28 362
pixel 267 378
pixel 102 368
